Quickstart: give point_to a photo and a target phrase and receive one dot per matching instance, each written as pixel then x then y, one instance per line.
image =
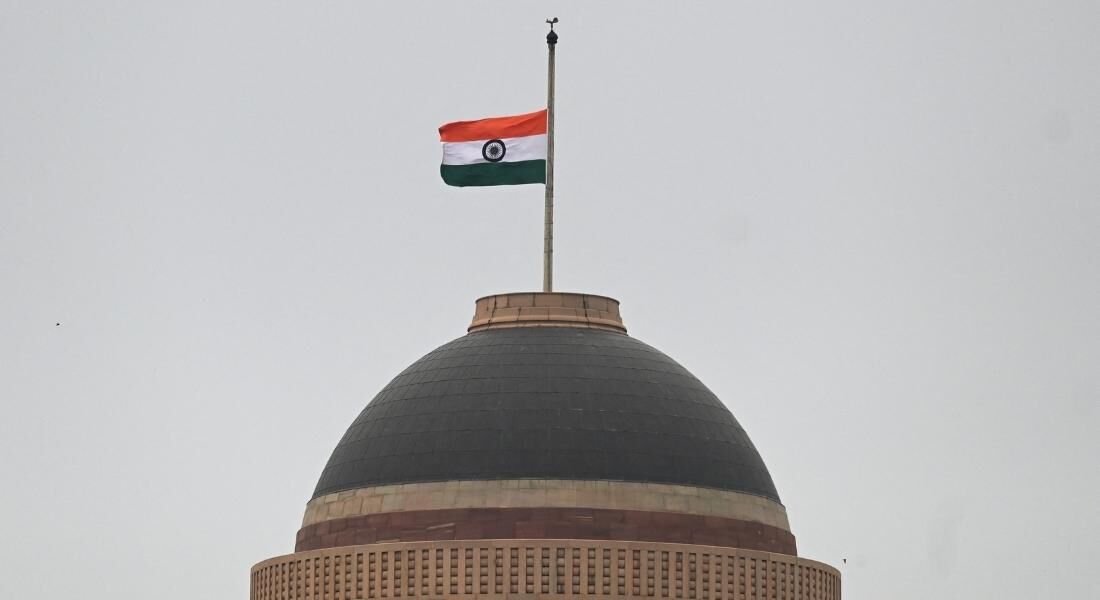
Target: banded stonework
pixel 544 523
pixel 554 509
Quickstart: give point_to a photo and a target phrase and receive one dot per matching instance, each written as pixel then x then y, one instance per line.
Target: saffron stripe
pixel 494 127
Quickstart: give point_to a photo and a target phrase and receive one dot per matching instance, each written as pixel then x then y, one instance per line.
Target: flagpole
pixel 548 212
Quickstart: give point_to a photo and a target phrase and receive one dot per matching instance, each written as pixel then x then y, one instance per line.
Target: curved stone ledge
pixel 500 569
pixel 547 493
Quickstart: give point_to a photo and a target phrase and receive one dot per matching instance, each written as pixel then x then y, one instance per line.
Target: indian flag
pixel 495 151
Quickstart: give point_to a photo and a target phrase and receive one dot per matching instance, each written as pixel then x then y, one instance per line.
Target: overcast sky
pixel 870 227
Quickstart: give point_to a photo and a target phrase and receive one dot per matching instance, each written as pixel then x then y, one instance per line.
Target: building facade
pixel 545 454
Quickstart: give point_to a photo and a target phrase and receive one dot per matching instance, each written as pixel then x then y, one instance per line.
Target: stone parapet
pixel 537 568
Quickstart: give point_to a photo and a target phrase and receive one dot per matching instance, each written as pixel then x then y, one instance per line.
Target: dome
pixel 546 429
pixel 580 402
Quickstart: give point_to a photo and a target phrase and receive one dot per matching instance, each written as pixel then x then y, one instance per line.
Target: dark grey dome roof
pixel 548 403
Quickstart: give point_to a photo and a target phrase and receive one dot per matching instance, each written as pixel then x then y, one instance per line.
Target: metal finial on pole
pixel 548 213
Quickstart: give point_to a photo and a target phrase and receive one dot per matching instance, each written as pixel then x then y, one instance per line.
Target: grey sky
pixel 883 216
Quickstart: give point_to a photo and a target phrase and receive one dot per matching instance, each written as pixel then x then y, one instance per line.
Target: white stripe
pixel 530 147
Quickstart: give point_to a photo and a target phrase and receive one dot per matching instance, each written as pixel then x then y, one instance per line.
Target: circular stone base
pixel 499 569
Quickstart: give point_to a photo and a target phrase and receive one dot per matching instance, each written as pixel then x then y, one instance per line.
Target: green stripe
pixel 501 173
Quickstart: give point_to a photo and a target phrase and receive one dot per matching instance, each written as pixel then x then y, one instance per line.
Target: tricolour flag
pixel 495 151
